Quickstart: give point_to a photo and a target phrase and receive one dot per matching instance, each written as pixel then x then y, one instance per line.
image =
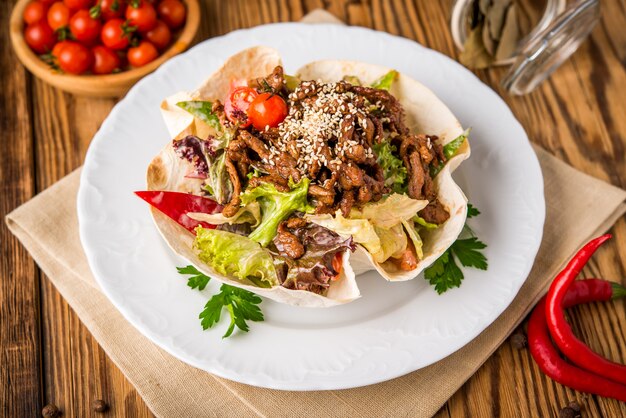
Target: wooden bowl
pixel 108 85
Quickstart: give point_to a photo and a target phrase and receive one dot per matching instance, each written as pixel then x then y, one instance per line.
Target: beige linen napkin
pixel 47 226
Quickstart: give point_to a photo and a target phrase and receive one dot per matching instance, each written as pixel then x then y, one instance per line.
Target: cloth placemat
pixel 47 226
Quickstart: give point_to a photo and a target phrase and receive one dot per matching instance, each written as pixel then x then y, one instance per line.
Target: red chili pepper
pixel 574 349
pixel 177 205
pixel 546 355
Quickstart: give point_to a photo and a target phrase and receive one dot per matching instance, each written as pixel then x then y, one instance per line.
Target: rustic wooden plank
pixel 77 370
pixel 20 342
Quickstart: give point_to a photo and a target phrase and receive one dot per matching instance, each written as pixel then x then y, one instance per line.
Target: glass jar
pixel 552 40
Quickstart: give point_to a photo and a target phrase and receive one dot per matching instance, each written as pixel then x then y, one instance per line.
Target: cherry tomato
pixel 114 34
pixel 143 16
pixel 78 4
pixel 159 35
pixel 40 37
pixel 47 2
pixel 58 15
pixel 267 110
pixel 172 12
pixel 237 103
pixel 142 54
pixel 110 9
pixel 75 58
pixel 56 51
pixel 105 60
pixel 85 28
pixel 34 12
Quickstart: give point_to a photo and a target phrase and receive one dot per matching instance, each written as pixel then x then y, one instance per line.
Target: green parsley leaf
pixel 444 273
pixel 212 311
pixel 472 211
pixel 198 280
pixel 468 252
pixel 240 304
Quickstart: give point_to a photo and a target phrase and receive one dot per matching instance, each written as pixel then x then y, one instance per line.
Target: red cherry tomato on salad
pixel 85 28
pixel 34 12
pixel 105 60
pixel 142 54
pixel 78 4
pixel 159 35
pixel 75 58
pixel 40 37
pixel 115 34
pixel 172 12
pixel 110 9
pixel 141 15
pixel 58 15
pixel 267 110
pixel 237 103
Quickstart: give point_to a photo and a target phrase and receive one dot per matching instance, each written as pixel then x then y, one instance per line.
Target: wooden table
pixel 48 356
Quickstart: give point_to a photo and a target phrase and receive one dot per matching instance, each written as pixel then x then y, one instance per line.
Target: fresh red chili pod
pixel 592 290
pixel 574 349
pixel 546 355
pixel 177 205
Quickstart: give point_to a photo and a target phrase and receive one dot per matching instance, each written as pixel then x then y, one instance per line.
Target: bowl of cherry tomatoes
pixel 100 48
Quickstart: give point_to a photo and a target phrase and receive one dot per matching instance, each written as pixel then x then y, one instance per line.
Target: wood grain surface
pixel 47 356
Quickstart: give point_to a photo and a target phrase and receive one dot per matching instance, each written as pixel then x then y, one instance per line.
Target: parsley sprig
pixel 240 304
pixel 197 280
pixel 444 273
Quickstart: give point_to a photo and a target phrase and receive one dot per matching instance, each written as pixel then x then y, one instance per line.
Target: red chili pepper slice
pixel 546 355
pixel 177 205
pixel 574 349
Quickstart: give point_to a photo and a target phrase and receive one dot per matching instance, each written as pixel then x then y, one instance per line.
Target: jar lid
pixel 546 51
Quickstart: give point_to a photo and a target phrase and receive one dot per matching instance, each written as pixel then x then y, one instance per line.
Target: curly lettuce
pixel 389 211
pixel 234 255
pixel 275 207
pixel 394 170
pixel 378 226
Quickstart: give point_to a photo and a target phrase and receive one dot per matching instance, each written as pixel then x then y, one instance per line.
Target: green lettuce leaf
pixel 422 222
pixel 234 255
pixel 393 242
pixel 291 82
pixel 361 230
pixel 393 169
pixel 449 150
pixel 389 211
pixel 218 183
pixel 415 237
pixel 378 226
pixel 352 79
pixel 275 207
pixel 202 110
pixel 385 82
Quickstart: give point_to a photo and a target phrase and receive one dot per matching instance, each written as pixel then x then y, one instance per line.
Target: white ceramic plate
pixel 395 328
